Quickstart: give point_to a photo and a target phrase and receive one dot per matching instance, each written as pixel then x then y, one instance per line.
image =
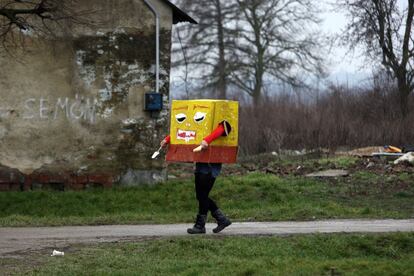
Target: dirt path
pixel 22 239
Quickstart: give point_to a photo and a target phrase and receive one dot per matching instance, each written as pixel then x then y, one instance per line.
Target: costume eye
pixel 199 116
pixel 180 117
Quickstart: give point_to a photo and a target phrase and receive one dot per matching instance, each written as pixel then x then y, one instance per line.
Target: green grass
pixel 256 196
pixel 339 254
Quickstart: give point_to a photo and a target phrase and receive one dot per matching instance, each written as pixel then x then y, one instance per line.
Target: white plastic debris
pixel 408 157
pixel 57 253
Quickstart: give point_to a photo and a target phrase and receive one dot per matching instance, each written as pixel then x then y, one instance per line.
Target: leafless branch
pixel 41 18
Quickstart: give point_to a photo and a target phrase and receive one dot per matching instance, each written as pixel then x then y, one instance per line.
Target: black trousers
pixel 203 185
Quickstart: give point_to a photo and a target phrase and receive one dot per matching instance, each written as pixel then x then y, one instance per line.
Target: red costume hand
pixel 166 141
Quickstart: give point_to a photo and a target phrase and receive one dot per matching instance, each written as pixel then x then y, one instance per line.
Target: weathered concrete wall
pixel 71 110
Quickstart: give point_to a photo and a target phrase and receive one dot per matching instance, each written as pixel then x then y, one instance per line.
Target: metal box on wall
pixel 153 102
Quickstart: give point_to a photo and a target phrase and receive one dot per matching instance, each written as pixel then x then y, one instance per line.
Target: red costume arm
pixel 167 139
pixel 219 131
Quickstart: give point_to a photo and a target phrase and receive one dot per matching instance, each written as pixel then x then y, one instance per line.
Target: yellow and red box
pixel 193 120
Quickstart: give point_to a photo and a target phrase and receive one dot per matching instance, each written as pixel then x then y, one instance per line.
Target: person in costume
pixel 205 176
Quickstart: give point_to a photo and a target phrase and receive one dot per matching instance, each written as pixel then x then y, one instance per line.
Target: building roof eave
pixel 179 15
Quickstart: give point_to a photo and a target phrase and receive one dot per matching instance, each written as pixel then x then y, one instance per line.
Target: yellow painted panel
pixel 227 111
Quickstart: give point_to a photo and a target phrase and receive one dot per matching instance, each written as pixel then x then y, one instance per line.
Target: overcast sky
pixel 340 59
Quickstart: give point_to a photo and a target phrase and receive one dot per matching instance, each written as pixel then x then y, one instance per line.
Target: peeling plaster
pixel 50 132
pixel 129 121
pixel 3 132
pixel 86 72
pixel 127 67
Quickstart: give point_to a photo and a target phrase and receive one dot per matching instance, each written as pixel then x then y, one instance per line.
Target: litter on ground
pixel 408 157
pixel 57 253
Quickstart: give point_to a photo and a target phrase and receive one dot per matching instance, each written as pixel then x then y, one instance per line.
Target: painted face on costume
pixel 190 121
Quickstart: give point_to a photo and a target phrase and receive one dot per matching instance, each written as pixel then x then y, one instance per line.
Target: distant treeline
pixel 341 116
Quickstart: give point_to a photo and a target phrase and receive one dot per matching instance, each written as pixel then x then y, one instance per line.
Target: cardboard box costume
pixel 194 120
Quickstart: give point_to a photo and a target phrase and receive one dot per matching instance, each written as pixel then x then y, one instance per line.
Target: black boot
pixel 199 226
pixel 222 221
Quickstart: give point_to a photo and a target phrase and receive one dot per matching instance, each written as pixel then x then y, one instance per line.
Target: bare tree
pixel 40 17
pixel 277 42
pixel 207 46
pixel 384 28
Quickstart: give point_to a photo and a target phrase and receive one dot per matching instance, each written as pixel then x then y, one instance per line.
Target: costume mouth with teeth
pixel 186 135
pixel 214 121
